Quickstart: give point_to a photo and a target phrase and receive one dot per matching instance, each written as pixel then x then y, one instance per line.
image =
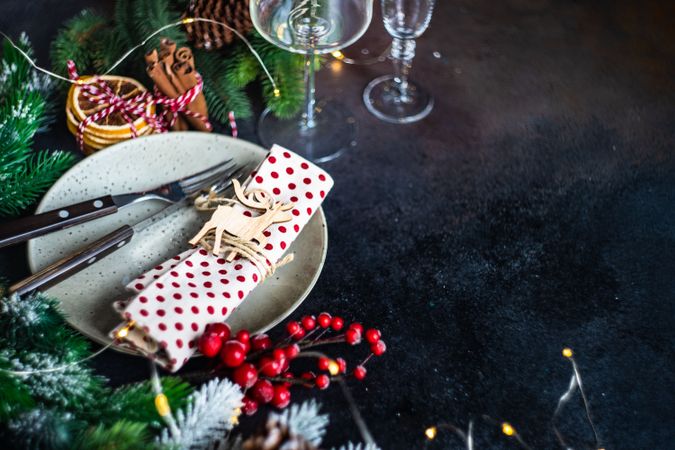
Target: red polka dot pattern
pixel 175 300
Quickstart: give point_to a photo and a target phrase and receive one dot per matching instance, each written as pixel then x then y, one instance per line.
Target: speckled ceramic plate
pixel 141 164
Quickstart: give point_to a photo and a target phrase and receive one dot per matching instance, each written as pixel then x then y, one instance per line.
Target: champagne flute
pixel 323 130
pixel 394 98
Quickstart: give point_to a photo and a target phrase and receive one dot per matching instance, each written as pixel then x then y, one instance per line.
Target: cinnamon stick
pixel 167 48
pixel 188 78
pixel 158 75
pixel 184 55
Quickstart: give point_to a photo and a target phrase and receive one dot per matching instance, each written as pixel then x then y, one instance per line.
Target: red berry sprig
pixel 262 368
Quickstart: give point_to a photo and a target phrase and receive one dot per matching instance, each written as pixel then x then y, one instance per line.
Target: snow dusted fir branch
pixel 211 412
pixel 304 420
pixel 300 426
pixel 350 446
pixel 15 72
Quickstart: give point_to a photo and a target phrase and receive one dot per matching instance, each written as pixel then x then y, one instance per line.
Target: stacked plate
pixel 112 128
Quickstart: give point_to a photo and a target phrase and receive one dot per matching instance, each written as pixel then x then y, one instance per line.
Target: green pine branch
pixel 15 397
pixel 24 174
pixel 287 71
pixel 27 177
pixel 68 406
pixel 42 428
pixel 121 435
pixel 135 402
pixel 79 40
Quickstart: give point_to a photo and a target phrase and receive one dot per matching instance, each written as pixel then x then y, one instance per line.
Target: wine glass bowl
pixel 407 19
pixel 394 98
pixel 323 130
pixel 318 26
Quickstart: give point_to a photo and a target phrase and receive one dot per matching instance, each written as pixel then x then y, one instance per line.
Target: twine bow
pixel 229 232
pixel 98 92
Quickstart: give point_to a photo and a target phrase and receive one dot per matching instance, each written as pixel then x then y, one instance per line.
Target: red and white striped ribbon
pixel 98 92
pixel 180 105
pixel 233 124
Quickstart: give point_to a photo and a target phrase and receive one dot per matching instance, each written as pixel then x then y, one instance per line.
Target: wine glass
pixel 325 129
pixel 394 98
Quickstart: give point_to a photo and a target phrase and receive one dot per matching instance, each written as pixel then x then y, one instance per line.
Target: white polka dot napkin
pixel 173 302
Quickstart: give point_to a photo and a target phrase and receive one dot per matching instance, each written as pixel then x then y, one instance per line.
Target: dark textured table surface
pixel 534 209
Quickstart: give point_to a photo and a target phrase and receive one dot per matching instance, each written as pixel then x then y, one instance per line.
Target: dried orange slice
pixel 114 125
pixel 96 141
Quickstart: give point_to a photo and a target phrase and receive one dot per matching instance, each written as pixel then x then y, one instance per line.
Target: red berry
pixel 322 381
pixel 352 336
pixel 309 323
pixel 243 336
pixel 360 372
pixel 342 364
pixel 269 367
pixel 282 396
pixel 221 329
pixel 356 326
pixel 245 375
pixel 247 346
pixel 373 335
pixel 323 363
pixel 233 353
pixel 262 391
pixel 292 351
pixel 250 406
pixel 337 323
pixel 293 328
pixel 279 354
pixel 378 348
pixel 210 344
pixel 300 334
pixel 261 342
pixel 324 320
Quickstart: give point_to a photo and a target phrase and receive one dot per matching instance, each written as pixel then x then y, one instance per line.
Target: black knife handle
pixel 65 267
pixel 30 227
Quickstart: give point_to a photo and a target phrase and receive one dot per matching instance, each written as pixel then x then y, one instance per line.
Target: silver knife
pixel 83 258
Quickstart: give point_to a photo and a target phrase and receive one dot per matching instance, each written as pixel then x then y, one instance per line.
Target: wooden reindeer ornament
pixel 244 229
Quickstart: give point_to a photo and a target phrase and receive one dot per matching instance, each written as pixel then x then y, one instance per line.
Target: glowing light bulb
pixel 277 92
pixel 162 405
pixel 333 368
pixel 123 332
pixel 234 420
pixel 188 20
pixel 507 429
pixel 431 432
pixel 337 54
pixel 567 352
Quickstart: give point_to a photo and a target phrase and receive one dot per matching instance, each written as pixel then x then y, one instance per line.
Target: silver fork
pixel 90 254
pixel 26 228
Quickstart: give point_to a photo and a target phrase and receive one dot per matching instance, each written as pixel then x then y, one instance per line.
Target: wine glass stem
pixel 402 53
pixel 307 121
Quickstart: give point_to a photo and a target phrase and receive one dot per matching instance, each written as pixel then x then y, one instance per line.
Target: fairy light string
pixel 162 402
pixel 184 21
pixel 575 383
pixel 121 333
pixel 509 430
pixel 382 57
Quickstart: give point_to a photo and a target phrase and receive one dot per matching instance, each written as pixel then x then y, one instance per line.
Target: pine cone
pixel 208 36
pixel 277 436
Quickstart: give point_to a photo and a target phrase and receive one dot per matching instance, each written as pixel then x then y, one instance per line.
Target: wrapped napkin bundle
pixel 173 303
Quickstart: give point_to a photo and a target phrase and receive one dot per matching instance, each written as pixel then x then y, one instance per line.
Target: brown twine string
pixel 248 249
